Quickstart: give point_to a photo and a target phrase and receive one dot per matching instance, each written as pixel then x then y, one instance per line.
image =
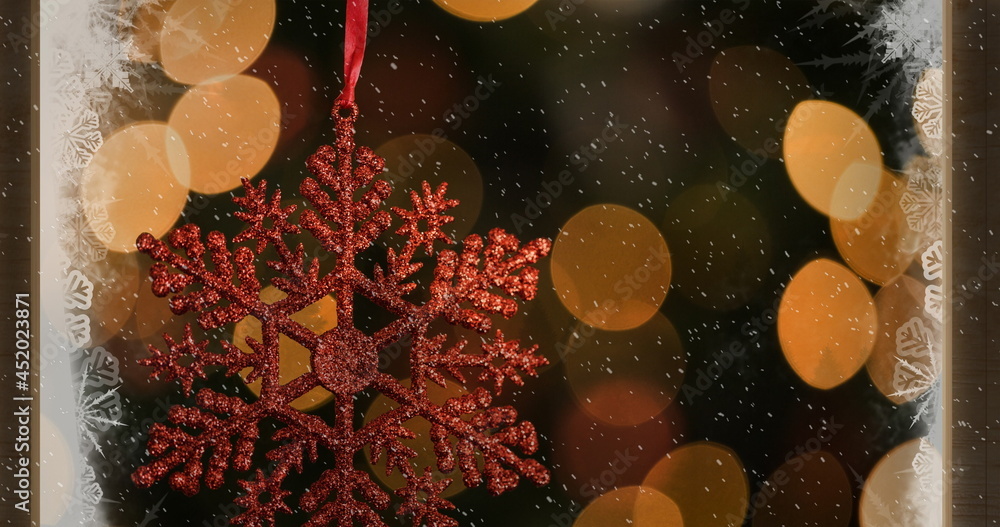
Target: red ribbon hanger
pixel 355 33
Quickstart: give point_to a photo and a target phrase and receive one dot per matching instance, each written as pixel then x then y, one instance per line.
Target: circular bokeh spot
pixel 230 129
pixel 485 10
pixel 833 158
pixel 131 186
pixel 904 488
pixel 204 41
pixel 826 323
pixel 412 159
pixel 753 90
pixel 720 247
pixel 634 505
pixel 809 489
pixel 293 358
pixel 421 444
pixel 625 377
pixel 611 267
pixel 879 245
pixel 905 361
pixel 707 482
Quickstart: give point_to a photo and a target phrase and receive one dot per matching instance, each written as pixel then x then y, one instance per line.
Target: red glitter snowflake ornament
pixel 221 433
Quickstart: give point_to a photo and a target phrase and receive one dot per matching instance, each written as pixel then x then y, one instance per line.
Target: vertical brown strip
pixel 36 261
pixel 18 281
pixel 992 110
pixel 975 408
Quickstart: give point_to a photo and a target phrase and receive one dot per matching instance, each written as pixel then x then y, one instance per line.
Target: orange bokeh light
pixel 132 184
pixel 207 41
pixel 485 10
pixel 904 488
pixel 229 128
pixel 707 482
pixel 611 267
pixel 634 505
pixel 905 360
pixel 833 158
pixel 826 323
pixel 879 245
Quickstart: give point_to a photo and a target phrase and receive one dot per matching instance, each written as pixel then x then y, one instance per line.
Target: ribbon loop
pixel 355 34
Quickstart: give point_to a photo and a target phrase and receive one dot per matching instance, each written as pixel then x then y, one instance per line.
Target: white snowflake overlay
pixel 928 111
pixel 904 38
pixel 96 88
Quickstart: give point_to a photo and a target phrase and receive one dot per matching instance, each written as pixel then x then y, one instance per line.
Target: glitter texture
pixel 470 284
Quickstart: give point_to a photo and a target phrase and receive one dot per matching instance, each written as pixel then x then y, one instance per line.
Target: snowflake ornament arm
pixel 483 278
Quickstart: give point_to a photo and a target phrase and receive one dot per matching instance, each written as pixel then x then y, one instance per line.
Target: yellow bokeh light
pixel 485 10
pixel 412 159
pixel 904 362
pixel 879 245
pixel 626 377
pixel 826 323
pixel 633 505
pixel 611 267
pixel 720 246
pixel 229 128
pixel 809 489
pixel 205 41
pixel 132 184
pixel 904 488
pixel 833 158
pixel 753 90
pixel 421 444
pixel 707 482
pixel 294 360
